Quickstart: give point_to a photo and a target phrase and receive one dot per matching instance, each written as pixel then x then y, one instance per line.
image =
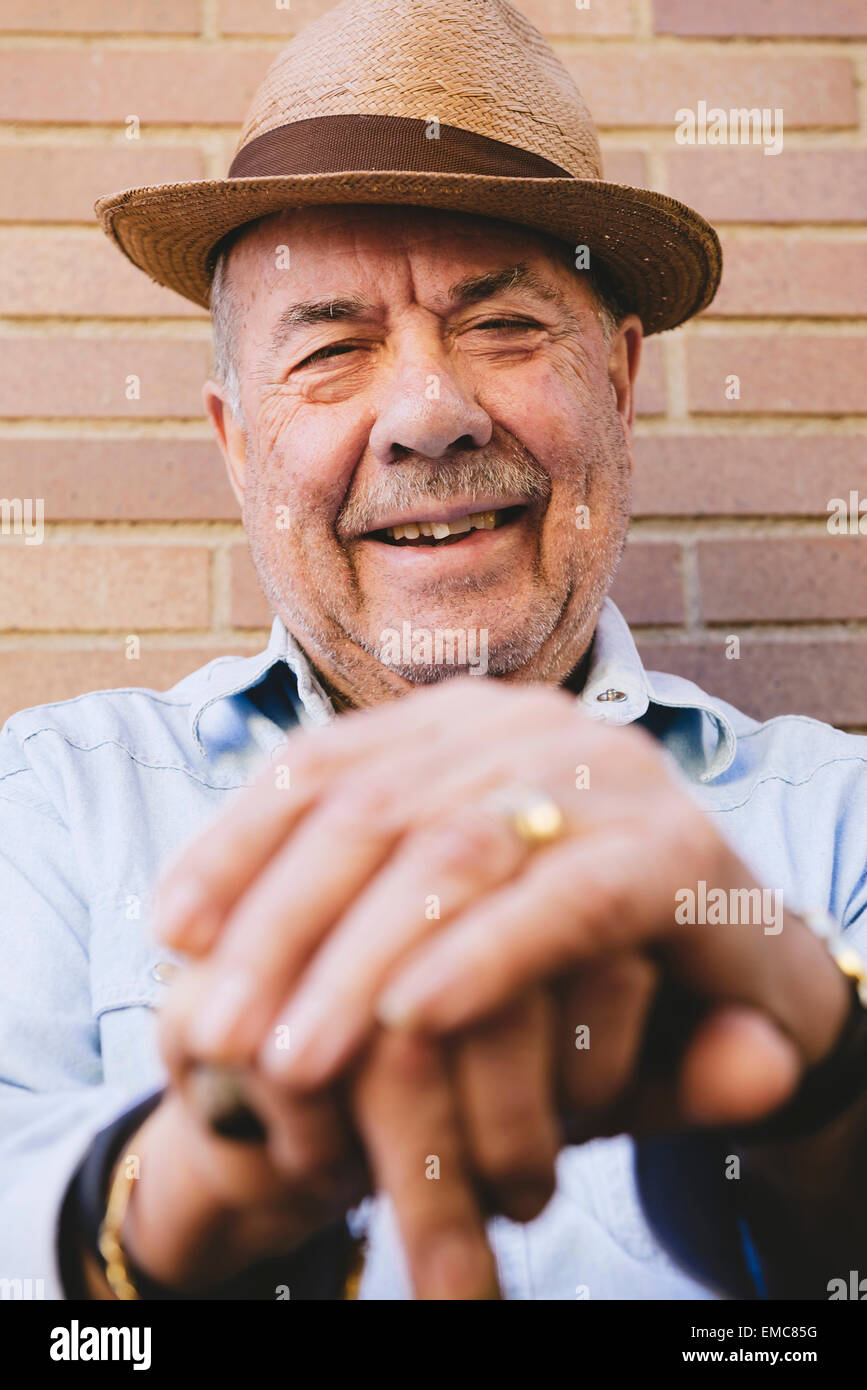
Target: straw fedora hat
pixel 455 104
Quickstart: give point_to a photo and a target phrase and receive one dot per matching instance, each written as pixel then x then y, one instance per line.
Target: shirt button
pixel 611 695
pixel 165 971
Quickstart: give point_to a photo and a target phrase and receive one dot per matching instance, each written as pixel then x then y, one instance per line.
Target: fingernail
pixel 300 1059
pixel 394 1008
pixel 402 1000
pixel 221 1012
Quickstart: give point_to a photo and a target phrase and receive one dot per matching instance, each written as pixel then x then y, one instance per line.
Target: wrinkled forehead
pixel 328 247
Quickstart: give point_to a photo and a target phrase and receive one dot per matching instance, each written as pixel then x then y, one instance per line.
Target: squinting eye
pixel 333 350
pixel 507 323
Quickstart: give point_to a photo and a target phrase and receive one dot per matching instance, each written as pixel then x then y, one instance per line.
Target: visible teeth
pixel 411 530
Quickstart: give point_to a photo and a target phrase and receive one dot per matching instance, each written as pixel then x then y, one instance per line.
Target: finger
pixel 208 875
pixel 576 901
pixel 431 876
pixel 505 1087
pixel 298 895
pixel 601 1019
pixel 297 899
pixel 270 934
pixel 738 1067
pixel 584 898
pixel 307 1138
pixel 197 888
pixel 406 1112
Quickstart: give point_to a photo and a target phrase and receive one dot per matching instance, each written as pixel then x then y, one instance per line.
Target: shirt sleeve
pixel 52 1097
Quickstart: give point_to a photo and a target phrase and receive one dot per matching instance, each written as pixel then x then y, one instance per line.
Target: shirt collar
pixel 617 689
pixel 232 675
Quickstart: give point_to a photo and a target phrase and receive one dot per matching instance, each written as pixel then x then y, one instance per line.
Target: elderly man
pixel 511 977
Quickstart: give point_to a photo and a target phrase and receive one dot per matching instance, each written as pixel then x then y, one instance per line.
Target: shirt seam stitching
pixel 792 782
pixel 141 762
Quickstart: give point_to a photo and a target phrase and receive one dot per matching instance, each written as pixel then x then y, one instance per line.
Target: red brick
pixel 160 86
pixel 744 185
pixel 61 183
pixel 88 587
pixel 77 274
pixel 100 17
pixel 746 475
pixel 782 578
pixel 109 479
pixel 38 676
pixel 648 587
pixel 799 375
pixel 824 679
pixel 249 606
pixel 647 86
pixel 68 376
pixel 771 18
pixel 551 16
pixel 799 277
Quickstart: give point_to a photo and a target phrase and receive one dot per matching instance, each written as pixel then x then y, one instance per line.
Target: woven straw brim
pixel 665 260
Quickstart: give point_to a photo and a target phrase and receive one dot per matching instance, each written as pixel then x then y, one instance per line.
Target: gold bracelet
pixel 356 1269
pixel 117 1274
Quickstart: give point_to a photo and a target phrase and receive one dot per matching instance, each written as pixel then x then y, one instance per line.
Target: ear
pixel 623 359
pixel 229 434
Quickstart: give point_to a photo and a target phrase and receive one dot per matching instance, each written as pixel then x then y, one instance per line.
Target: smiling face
pixel 436 435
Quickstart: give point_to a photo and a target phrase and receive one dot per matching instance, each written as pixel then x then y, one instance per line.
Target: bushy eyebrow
pixel 312 311
pixel 472 289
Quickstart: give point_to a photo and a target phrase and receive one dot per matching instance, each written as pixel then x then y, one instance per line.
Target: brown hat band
pixel 340 144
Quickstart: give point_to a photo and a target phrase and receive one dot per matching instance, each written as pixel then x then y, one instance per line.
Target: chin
pixel 481 658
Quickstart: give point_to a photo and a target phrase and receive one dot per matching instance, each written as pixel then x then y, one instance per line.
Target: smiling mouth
pixel 438 533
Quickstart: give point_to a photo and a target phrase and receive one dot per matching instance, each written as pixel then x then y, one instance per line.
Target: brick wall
pixel 730 536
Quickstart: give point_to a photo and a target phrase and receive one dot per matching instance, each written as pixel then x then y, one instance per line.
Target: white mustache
pixel 406 487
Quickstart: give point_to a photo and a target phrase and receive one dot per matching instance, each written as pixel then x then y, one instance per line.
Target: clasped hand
pixel 430 1008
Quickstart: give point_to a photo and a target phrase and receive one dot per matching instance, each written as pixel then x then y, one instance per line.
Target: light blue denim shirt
pixel 96 793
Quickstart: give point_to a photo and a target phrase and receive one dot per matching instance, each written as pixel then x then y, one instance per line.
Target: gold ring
pixel 534 816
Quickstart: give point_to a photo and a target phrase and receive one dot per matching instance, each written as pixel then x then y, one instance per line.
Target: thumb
pixel 738 1067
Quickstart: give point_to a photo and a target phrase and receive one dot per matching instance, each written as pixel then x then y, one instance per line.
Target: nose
pixel 426 410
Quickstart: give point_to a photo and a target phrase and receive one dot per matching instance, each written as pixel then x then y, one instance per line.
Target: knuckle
pixel 408 1060
pixel 607 909
pixel 358 803
pixel 465 847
